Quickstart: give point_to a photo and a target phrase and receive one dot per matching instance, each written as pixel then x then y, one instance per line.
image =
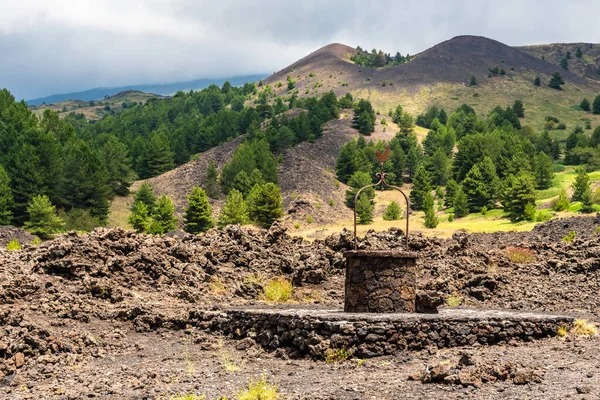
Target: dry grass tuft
pixel 189 396
pixel 520 255
pixel 259 389
pixel 562 331
pixel 278 290
pixel 582 327
pixel 453 301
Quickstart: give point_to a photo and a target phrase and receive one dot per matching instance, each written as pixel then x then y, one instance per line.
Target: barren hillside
pixel 587 66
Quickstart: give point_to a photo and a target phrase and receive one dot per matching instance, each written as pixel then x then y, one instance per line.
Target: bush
pixel 570 237
pixel 259 389
pixel 13 245
pixel 79 220
pixel 450 217
pixel 561 126
pixel 309 219
pixel 529 213
pixel 582 327
pixel 278 290
pixel 336 355
pixel 562 203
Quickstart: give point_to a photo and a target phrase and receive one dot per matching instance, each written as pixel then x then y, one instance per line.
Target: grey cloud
pixel 100 44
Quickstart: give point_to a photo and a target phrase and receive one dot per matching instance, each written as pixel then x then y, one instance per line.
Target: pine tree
pixel 144 195
pixel 211 182
pixel 581 184
pixel 265 204
pixel 587 201
pixel 139 219
pixel 596 105
pixel 6 198
pixel 357 181
pixel 364 209
pixel 543 170
pixel 421 186
pixel 585 104
pixel 163 218
pixel 518 108
pixel 537 81
pixel 392 212
pixel 198 214
pixel 451 189
pixel 556 81
pixel 519 192
pixel 562 203
pixel 43 220
pixel 431 220
pixel 235 210
pixel 480 186
pixel 461 203
pixel 578 53
pixel 473 81
pixel 158 156
pixel 24 168
pixel 115 159
pixel 438 166
pixel 364 117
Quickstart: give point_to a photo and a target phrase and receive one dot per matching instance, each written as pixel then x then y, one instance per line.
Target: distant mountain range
pixel 161 89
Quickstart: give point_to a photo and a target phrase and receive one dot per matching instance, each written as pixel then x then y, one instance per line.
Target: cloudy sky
pixel 57 46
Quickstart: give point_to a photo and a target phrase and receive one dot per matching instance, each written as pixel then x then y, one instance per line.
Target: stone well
pixel 380 281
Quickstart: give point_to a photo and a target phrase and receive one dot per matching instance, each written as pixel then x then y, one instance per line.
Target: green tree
pixel 364 117
pixel 519 192
pixel 596 105
pixel 564 62
pixel 518 108
pixel 461 203
pixel 265 204
pixel 481 185
pixel 451 189
pixel 543 171
pixel 473 81
pixel 235 210
pixel 139 219
pixel 585 104
pixel 158 156
pixel 578 53
pixel 364 209
pixel 537 81
pixel 393 212
pixel 144 195
pixel 562 203
pixel 198 214
pixel 43 220
pixel 431 220
pixel 25 171
pixel 421 186
pixel 115 159
pixel 556 81
pixel 581 184
pixel 6 198
pixel 587 201
pixel 358 180
pixel 211 183
pixel 163 219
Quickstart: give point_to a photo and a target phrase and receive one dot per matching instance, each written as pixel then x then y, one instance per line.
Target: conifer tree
pixel 585 104
pixel 581 184
pixel 392 212
pixel 211 182
pixel 587 201
pixel 431 220
pixel 163 218
pixel 115 159
pixel 357 181
pixel 461 203
pixel 519 192
pixel 265 204
pixel 144 195
pixel 235 210
pixel 139 219
pixel 451 189
pixel 6 198
pixel 198 214
pixel 364 209
pixel 556 81
pixel 473 81
pixel 596 105
pixel 543 170
pixel 537 81
pixel 158 156
pixel 421 186
pixel 518 108
pixel 43 220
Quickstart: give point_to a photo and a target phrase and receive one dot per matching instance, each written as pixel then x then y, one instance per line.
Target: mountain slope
pixel 587 66
pixel 162 89
pixel 441 76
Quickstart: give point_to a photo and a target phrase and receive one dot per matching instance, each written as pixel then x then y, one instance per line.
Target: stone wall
pixel 380 281
pixel 303 332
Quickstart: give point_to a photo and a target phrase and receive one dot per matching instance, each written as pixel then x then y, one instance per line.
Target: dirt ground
pixel 107 315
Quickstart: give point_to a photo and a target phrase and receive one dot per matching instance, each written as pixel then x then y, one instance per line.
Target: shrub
pixel 453 301
pixel 484 210
pixel 43 221
pixel 570 237
pixel 529 213
pixel 450 217
pixel 78 219
pixel 278 290
pixel 331 203
pixel 520 255
pixel 561 126
pixel 297 225
pixel 336 355
pixel 562 331
pixel 562 203
pixel 190 396
pixel 13 245
pixel 259 389
pixel 582 327
pixel 309 219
